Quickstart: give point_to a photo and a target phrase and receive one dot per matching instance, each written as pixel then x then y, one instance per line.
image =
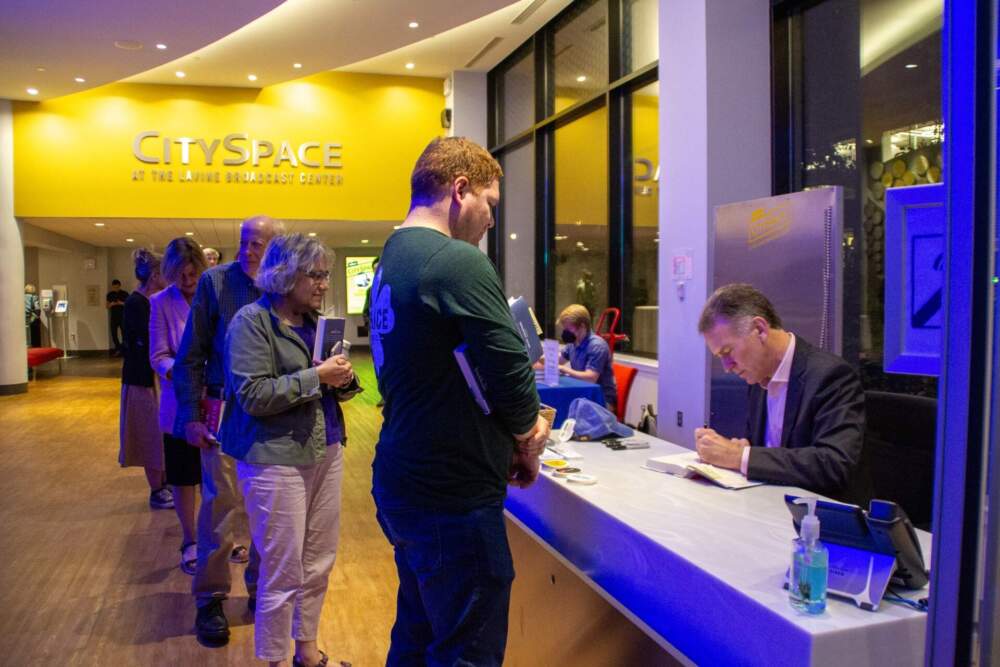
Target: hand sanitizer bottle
pixel 810 565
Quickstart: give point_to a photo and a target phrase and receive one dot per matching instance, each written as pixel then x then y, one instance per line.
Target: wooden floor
pixel 88 572
pixel 89 576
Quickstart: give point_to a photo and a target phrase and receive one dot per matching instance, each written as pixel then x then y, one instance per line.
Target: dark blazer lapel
pixel 757 404
pixel 793 397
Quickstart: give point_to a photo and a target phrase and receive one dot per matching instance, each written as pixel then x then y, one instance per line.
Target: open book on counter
pixel 689 465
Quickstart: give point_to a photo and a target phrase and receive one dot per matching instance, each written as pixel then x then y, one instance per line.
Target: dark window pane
pixel 581 54
pixel 581 194
pixel 519 222
pixel 641 275
pixel 518 97
pixel 869 119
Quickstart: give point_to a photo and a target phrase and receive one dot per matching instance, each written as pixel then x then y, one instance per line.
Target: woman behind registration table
pixel 141 444
pixel 284 427
pixel 586 356
pixel 183 264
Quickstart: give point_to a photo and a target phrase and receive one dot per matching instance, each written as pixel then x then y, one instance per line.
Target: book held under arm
pixel 689 464
pixel 472 378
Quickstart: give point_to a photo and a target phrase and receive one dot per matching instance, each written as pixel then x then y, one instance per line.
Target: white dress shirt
pixel 777 391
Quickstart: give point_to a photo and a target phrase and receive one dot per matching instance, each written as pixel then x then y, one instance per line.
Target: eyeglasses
pixel 318 276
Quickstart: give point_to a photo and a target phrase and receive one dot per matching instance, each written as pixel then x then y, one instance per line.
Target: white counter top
pixel 702 567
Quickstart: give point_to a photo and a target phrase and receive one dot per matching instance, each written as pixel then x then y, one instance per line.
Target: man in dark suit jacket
pixel 806 410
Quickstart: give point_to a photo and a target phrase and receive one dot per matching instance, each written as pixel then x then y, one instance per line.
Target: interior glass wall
pixel 581 230
pixel 518 208
pixel 580 53
pixel 585 230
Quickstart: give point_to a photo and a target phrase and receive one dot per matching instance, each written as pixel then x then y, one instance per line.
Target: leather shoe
pixel 211 623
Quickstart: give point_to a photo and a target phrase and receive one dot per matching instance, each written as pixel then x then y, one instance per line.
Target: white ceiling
pixel 319 34
pixel 465 47
pixel 219 233
pixel 75 38
pixel 220 43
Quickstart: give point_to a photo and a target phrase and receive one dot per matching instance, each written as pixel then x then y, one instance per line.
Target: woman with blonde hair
pixel 140 442
pixel 183 264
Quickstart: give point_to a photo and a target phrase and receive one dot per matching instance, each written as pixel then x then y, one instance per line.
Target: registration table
pixel 569 388
pixel 700 568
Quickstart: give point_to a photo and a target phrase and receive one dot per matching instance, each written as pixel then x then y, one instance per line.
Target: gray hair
pixel 736 303
pixel 284 258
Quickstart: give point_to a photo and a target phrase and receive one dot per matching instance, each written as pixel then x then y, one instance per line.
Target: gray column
pixel 13 359
pixel 466 98
pixel 715 148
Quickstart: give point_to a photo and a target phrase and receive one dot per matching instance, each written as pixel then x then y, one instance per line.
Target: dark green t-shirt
pixel 437 449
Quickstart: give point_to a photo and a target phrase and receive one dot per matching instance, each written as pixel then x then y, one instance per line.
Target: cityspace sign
pixel 250 160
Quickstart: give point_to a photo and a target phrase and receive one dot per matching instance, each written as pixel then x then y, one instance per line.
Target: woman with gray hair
pixel 285 428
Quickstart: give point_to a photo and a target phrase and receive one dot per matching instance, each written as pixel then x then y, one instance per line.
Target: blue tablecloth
pixel 569 388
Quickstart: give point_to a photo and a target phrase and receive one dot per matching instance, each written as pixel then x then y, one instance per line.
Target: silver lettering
pixel 330 153
pixel 285 154
pixel 233 148
pixel 303 148
pixel 208 150
pixel 137 147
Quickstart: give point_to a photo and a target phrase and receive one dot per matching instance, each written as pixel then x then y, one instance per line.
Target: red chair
pixel 624 377
pixel 610 336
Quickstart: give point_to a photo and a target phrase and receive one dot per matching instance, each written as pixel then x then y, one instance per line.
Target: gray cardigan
pixel 273 413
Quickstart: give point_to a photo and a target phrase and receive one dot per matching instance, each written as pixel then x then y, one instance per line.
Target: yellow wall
pixel 73 156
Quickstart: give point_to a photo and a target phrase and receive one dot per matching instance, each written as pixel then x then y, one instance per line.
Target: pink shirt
pixel 777 391
pixel 168 313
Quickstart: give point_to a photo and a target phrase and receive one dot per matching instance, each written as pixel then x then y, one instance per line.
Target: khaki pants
pixel 295 520
pixel 221 511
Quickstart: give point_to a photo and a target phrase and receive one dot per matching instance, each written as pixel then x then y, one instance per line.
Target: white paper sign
pixel 550 348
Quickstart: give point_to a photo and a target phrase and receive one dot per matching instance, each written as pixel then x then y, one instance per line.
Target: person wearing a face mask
pixel 586 356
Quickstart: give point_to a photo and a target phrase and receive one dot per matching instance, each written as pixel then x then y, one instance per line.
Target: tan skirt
pixel 139 428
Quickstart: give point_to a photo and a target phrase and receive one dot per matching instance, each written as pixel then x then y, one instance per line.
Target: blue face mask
pixel 568 336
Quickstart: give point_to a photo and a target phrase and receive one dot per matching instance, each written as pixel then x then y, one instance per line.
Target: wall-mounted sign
pixel 331 146
pixel 236 150
pixel 914 279
pixel 360 272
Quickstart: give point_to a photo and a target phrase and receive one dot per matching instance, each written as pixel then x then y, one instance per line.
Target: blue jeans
pixel 455 573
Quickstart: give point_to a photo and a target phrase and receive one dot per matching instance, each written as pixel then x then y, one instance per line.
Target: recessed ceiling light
pixel 98 224
pixel 32 91
pixel 911 66
pixel 188 233
pixel 513 237
pixel 252 77
pixel 581 78
pixel 414 24
pixel 128 44
pixel 179 74
pixel 869 141
pixel 297 65
pixel 39 69
pixel 395 226
pixel 312 233
pixel 130 240
pixel 410 65
pixel 364 240
pixel 161 47
pixel 80 79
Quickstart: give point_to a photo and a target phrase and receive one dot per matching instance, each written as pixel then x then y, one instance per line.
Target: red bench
pixel 42 355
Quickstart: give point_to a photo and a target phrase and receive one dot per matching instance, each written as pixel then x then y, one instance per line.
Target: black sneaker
pixel 252 604
pixel 211 623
